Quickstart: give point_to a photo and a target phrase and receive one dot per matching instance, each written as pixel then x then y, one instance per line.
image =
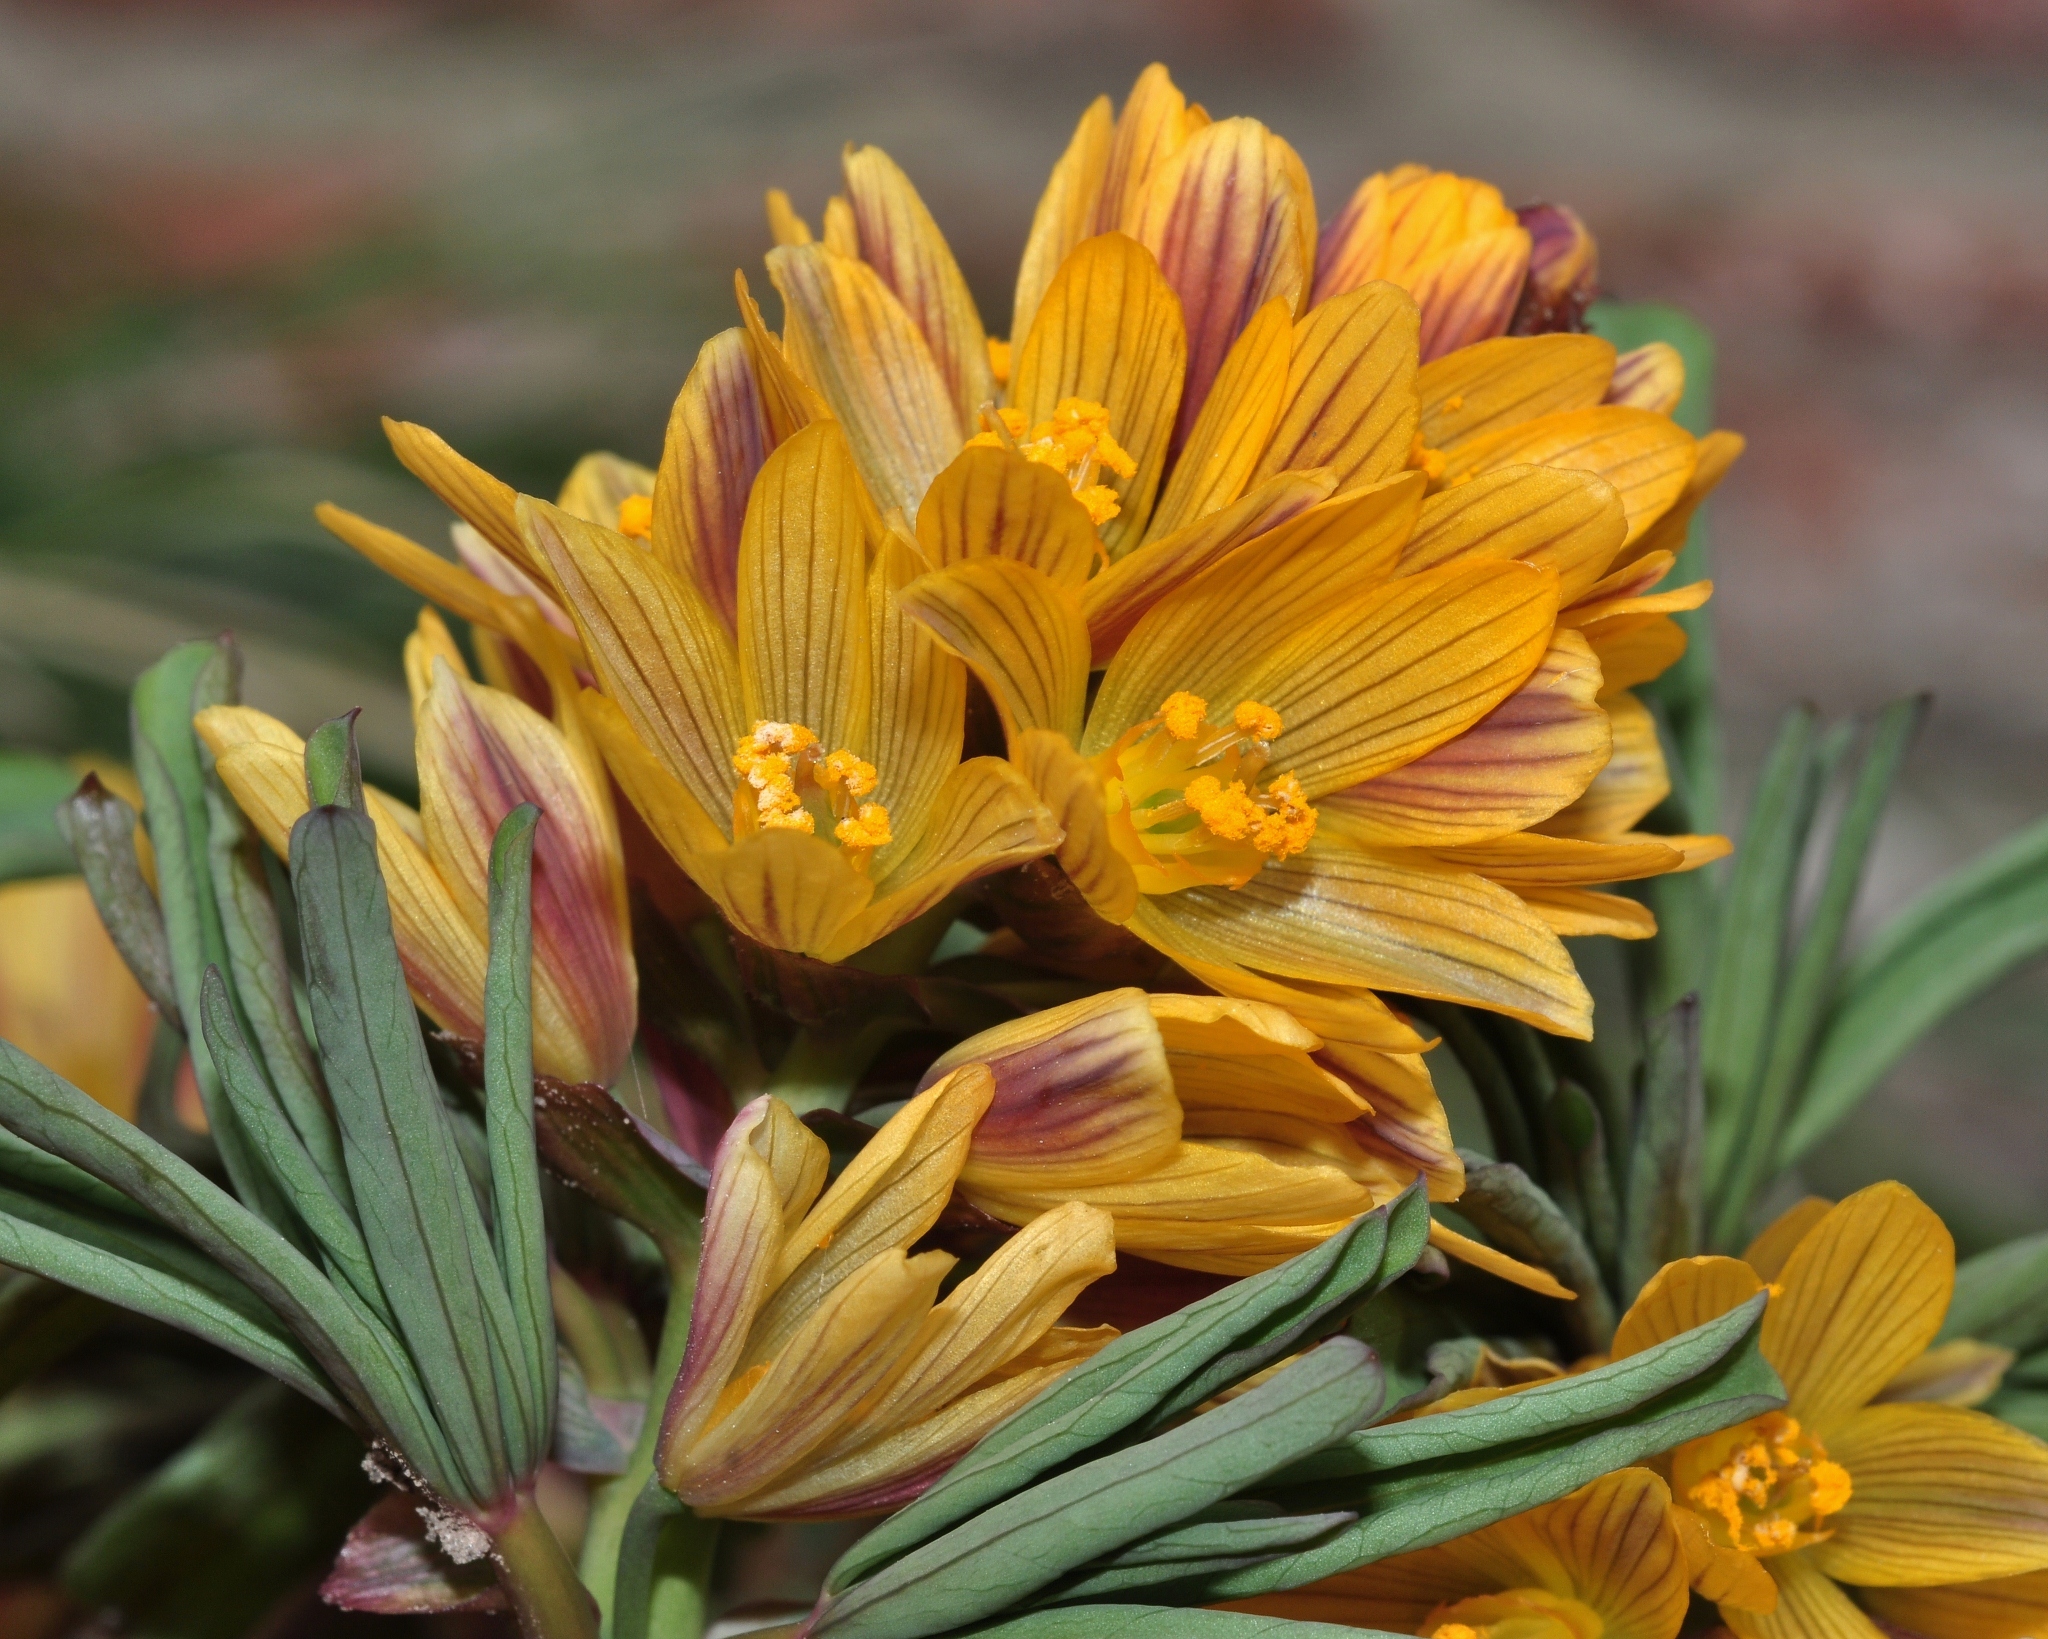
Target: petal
pixel 1264 596
pixel 473 495
pixel 1940 1495
pixel 1068 784
pixel 597 485
pixel 1232 430
pixel 1500 384
pixel 986 817
pixel 992 503
pixel 1402 224
pixel 1116 599
pixel 1717 453
pixel 1390 921
pixel 1647 458
pixel 785 889
pixel 1571 521
pixel 1408 1122
pixel 1530 756
pixel 1772 1249
pixel 1350 400
pixel 901 242
pixel 1809 1607
pixel 1865 1292
pixel 1154 123
pixel 1651 377
pixel 676 818
pixel 717 439
pixel 846 332
pixel 453 587
pixel 917 708
pixel 785 226
pixel 1528 859
pixel 788 402
pixel 67 998
pixel 1727 1576
pixel 1083 1096
pixel 1634 649
pixel 1229 1054
pixel 803 604
pixel 1962 1372
pixel 1617 1551
pixel 1634 781
pixel 2007 1607
pixel 1679 1297
pixel 847 1344
pixel 1579 913
pixel 888 1196
pixel 1231 219
pixel 1677 600
pixel 658 650
pixel 1019 631
pixel 1469 295
pixel 1109 331
pixel 1495 1262
pixel 1065 214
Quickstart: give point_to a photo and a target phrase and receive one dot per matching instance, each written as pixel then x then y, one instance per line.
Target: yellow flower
pixel 1605 1562
pixel 2005 1607
pixel 481 752
pixel 1218 1134
pixel 1836 1489
pixel 825 1378
pixel 66 996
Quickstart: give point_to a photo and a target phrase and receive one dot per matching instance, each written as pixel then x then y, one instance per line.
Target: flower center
pixel 789 782
pixel 1075 442
pixel 636 516
pixel 1183 808
pixel 1517 1613
pixel 1765 1487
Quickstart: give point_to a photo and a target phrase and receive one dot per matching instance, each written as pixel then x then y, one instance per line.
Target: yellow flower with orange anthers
pixel 1218 1134
pixel 481 752
pixel 1605 1562
pixel 825 1378
pixel 1781 1511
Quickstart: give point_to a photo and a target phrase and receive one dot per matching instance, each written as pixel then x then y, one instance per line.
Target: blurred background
pixel 236 234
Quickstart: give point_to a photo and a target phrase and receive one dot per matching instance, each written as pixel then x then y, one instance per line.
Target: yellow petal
pixel 992 503
pixel 1408 1123
pixel 1650 377
pixel 1470 293
pixel 676 818
pixel 1717 453
pixel 1495 1262
pixel 788 402
pixel 473 495
pixel 1725 1575
pixel 1154 123
pixel 1528 859
pixel 849 335
pixel 1579 913
pixel 1963 1372
pixel 1229 1053
pixel 658 650
pixel 1232 430
pixel 427 573
pixel 717 439
pixel 1940 1495
pixel 598 483
pixel 1350 400
pixel 1809 1607
pixel 1655 603
pixel 1109 331
pixel 901 242
pixel 1647 458
pixel 1634 781
pixel 918 702
pixel 1530 756
pixel 1115 600
pixel 1020 632
pixel 1679 1297
pixel 1399 224
pixel 2006 1607
pixel 1500 384
pixel 1571 521
pixel 67 998
pixel 1768 1253
pixel 842 228
pixel 803 604
pixel 785 889
pixel 1083 1096
pixel 888 1196
pixel 1071 789
pixel 785 226
pixel 820 1372
pixel 984 817
pixel 1634 649
pixel 1865 1292
pixel 1065 214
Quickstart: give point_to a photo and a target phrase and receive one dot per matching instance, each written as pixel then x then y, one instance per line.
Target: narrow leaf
pixel 1662 1210
pixel 1160 1622
pixel 100 829
pixel 334 764
pixel 32 839
pixel 1519 1218
pixel 1579 1173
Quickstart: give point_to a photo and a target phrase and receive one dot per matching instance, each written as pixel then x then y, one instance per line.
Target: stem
pixel 664 1569
pixel 538 1578
pixel 822 1064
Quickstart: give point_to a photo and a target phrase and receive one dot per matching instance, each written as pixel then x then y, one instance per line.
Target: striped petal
pixel 1809 1607
pixel 717 439
pixel 2006 1607
pixel 901 242
pixel 1231 218
pixel 992 503
pixel 1399 224
pixel 1234 426
pixel 1647 458
pixel 788 402
pixel 1650 377
pixel 1580 913
pixel 662 801
pixel 1155 122
pixel 1408 1123
pixel 473 495
pixel 453 587
pixel 1528 859
pixel 785 889
pixel 599 483
pixel 1717 453
pixel 1961 1372
pixel 1065 214
pixel 1773 1247
pixel 1568 521
pixel 1632 783
pixel 1469 295
pixel 1635 649
pixel 1499 385
pixel 1350 401
pixel 1226 1053
pixel 1071 789
pixel 1019 631
pixel 1679 1297
pixel 848 334
pixel 1109 331
pixel 917 704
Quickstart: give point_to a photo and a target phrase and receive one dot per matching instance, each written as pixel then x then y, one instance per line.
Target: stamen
pixel 636 516
pixel 1183 714
pixel 999 360
pixel 1075 441
pixel 1430 462
pixel 794 784
pixel 1772 1489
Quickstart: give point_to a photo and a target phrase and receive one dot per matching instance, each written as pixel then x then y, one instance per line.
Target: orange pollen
pixel 636 516
pixel 1184 714
pixel 1075 441
pixel 1773 1489
pixel 999 360
pixel 1429 462
pixel 789 783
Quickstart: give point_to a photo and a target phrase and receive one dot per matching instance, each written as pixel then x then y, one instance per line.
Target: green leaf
pixel 1159 1622
pixel 1519 1218
pixel 518 1231
pixel 419 1214
pixel 41 1322
pixel 334 767
pixel 1580 1178
pixel 31 842
pixel 1028 1541
pixel 1155 1373
pixel 1255 1533
pixel 1443 1474
pixel 1662 1211
pixel 1811 982
pixel 1948 945
pixel 2023 1408
pixel 100 828
pixel 2001 1296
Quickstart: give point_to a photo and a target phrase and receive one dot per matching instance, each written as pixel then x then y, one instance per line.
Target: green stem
pixel 822 1064
pixel 538 1578
pixel 664 1569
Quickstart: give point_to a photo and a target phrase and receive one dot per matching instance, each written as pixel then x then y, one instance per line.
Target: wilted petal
pixel 1564 271
pixel 717 439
